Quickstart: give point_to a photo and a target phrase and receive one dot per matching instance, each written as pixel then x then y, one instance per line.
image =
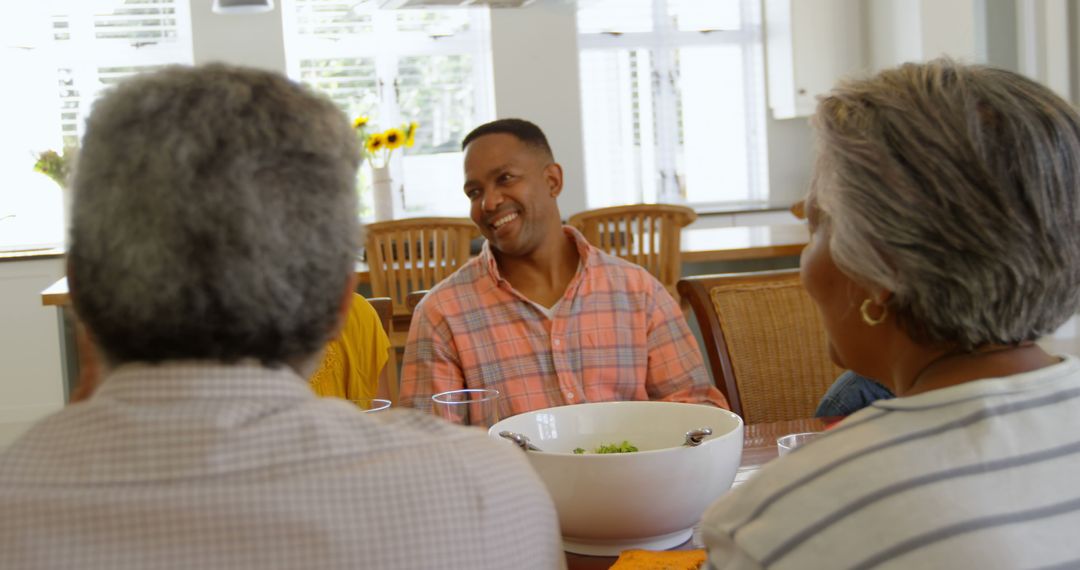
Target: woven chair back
pixel 766 342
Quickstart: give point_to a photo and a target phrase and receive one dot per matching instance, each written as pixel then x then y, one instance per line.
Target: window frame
pixel 662 42
pixel 60 39
pixel 388 47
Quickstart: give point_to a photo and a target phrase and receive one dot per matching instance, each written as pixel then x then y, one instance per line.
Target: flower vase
pixel 382 192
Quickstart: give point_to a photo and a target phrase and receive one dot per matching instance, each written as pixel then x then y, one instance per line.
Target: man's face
pixel 512 189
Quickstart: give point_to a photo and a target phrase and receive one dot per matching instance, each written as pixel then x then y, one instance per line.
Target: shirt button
pixel 569 395
pixel 555 342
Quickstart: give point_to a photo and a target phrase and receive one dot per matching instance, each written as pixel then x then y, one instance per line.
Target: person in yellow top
pixel 353 361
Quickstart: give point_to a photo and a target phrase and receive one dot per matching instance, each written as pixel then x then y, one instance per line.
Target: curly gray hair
pixel 955 187
pixel 215 217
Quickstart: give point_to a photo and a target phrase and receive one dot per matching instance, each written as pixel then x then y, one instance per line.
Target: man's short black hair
pixel 525 132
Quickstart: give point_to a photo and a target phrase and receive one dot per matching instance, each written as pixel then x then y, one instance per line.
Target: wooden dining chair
pixel 414 299
pixel 646 234
pixel 388 378
pixel 765 342
pixel 414 254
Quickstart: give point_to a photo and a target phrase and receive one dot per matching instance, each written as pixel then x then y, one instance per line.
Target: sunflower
pixel 410 134
pixel 360 122
pixel 394 138
pixel 375 143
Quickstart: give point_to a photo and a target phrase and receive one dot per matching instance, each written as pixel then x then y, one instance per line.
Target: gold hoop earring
pixel 866 313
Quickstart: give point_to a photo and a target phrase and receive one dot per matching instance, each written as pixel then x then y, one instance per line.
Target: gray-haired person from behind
pixel 945 240
pixel 212 254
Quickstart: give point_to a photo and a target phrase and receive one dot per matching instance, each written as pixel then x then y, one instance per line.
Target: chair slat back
pixel 384 307
pixel 414 254
pixel 646 234
pixel 765 341
pixel 414 299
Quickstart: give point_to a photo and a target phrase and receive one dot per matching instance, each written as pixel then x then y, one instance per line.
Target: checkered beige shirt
pixel 204 466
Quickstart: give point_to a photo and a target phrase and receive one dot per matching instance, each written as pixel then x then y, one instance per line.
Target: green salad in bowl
pixel 624 447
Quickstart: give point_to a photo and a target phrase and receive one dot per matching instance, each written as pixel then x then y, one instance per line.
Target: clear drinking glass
pixel 471 406
pixel 372 404
pixel 787 443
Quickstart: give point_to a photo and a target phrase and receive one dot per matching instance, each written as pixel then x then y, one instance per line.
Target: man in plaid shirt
pixel 541 315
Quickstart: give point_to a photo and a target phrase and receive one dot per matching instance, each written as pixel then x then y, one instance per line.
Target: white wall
pixel 808 45
pixel 535 68
pixel 948 28
pixel 791 153
pixel 31 384
pixel 225 37
pixel 1043 44
pixel 1000 34
pixel 894 31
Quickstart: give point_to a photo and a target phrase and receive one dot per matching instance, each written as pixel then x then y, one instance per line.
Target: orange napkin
pixel 663 560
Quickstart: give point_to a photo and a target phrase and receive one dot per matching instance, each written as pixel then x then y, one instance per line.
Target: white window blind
pixel 673 101
pixel 63 54
pixel 98 43
pixel 396 66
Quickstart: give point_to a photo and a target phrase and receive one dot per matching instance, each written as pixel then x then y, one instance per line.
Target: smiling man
pixel 540 315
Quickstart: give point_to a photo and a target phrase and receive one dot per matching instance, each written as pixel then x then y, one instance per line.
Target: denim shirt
pixel 849 394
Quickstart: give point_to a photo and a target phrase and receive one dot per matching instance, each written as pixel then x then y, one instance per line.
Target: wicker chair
pixel 415 253
pixel 765 342
pixel 646 234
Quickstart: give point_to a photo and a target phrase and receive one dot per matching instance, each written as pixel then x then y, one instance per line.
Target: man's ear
pixel 554 177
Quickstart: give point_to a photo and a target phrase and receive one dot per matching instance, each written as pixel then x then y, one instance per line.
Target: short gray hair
pixel 215 217
pixel 956 188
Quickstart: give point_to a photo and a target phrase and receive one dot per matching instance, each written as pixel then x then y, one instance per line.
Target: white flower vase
pixel 382 192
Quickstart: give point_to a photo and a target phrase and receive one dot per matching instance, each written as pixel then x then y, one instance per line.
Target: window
pixel 396 66
pixel 673 101
pixel 64 53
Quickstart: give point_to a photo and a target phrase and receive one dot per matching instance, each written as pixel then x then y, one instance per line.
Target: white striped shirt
pixel 979 475
pixel 200 466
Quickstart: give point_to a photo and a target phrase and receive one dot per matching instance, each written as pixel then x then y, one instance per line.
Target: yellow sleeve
pixel 366 350
pixel 352 362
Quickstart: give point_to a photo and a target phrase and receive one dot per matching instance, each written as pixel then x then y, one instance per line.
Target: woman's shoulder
pixel 361 318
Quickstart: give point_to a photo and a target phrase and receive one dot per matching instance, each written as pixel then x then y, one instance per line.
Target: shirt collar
pixel 247 379
pixel 586 250
pixel 1051 377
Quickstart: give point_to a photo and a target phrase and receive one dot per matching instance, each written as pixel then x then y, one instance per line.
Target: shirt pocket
pixel 613 364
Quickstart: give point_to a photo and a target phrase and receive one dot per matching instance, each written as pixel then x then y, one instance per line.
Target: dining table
pixel 759 447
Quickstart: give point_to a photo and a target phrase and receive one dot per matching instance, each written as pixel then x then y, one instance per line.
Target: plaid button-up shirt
pixel 616 334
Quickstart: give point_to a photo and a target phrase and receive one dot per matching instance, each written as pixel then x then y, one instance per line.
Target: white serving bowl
pixel 650 499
